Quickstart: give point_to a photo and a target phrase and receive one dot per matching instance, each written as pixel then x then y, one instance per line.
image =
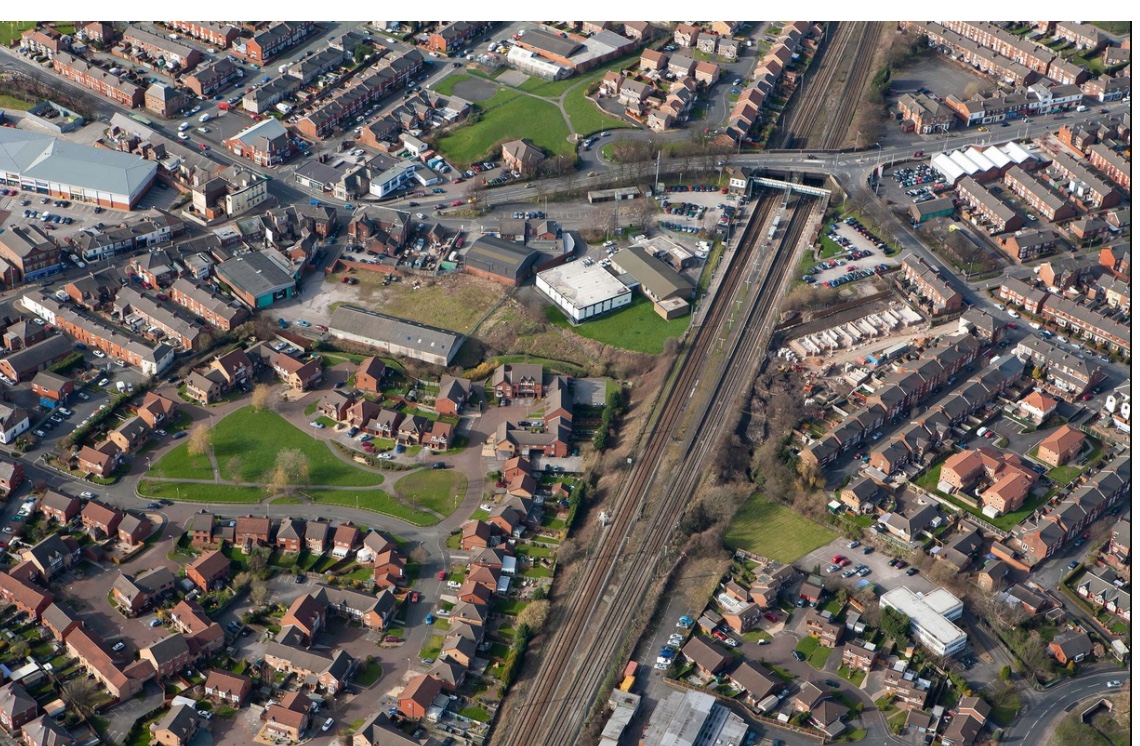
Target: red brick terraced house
pixel 100 519
pixel 99 80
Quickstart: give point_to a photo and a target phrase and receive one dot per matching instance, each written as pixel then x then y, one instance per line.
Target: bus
pixel 140 118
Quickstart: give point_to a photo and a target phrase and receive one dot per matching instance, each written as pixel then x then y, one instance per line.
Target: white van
pixel 184 126
pixel 1082 107
pixel 204 118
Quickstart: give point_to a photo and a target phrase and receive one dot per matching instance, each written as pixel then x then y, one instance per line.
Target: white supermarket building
pixel 582 291
pixel 931 618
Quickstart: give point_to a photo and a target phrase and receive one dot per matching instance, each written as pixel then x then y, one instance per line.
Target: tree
pixel 419 555
pixel 21 648
pixel 894 624
pixel 292 468
pixel 262 396
pixel 535 614
pixel 198 444
pixel 258 560
pixel 83 695
pixel 233 468
pixel 361 52
pixel 1005 673
pixel 259 592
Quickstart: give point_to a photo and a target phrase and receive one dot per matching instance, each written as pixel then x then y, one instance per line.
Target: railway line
pixel 812 124
pixel 617 577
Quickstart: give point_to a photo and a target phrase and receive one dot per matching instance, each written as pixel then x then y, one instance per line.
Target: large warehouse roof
pixel 499 257
pixel 389 330
pixel 47 158
pixel 581 285
pixel 659 278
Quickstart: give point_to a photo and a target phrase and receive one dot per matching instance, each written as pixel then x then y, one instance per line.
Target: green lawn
pixel 369 674
pixel 377 501
pixel 10 32
pixel 1113 27
pixel 775 531
pixel 12 103
pixel 508 115
pixel 636 327
pixel 435 489
pixel 585 116
pixel 855 676
pixel 177 463
pixel 828 247
pixel 432 648
pixel 200 493
pixel 1063 475
pixel 816 654
pixel 256 438
pixel 445 86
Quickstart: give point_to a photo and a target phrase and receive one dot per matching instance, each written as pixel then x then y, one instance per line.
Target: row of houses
pixel 927 287
pixel 384 77
pixel 1041 535
pixel 927 433
pixel 767 77
pixel 911 382
pixel 1082 320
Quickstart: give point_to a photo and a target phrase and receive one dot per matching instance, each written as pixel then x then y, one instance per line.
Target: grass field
pixel 585 117
pixel 256 438
pixel 10 31
pixel 815 653
pixel 177 463
pixel 447 304
pixel 506 116
pixel 433 488
pixel 200 493
pixel 775 531
pixel 636 327
pixel 12 103
pixel 445 86
pixel 378 501
pixel 1113 27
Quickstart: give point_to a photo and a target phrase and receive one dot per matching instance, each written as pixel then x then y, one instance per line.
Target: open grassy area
pixel 255 438
pixel 200 493
pixel 815 653
pixel 1113 27
pixel 433 647
pixel 178 463
pixel 585 116
pixel 506 116
pixel 368 674
pixel 13 103
pixel 10 31
pixel 433 488
pixel 636 327
pixel 446 303
pixel 445 86
pixel 377 501
pixel 828 248
pixel 1063 475
pixel 775 531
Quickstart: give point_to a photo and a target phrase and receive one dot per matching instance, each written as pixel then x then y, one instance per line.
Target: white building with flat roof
pixel 930 618
pixel 582 291
pixel 692 718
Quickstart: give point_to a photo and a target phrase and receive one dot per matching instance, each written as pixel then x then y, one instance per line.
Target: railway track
pixel 617 577
pixel 850 51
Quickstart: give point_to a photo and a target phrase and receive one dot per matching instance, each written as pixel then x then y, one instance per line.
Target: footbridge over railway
pixel 786 186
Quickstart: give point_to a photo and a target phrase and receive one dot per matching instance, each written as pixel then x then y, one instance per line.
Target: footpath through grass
pixel 508 115
pixel 247 442
pixel 636 327
pixel 775 531
pixel 435 489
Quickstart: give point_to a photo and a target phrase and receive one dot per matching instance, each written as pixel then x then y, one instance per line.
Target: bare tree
pixel 259 592
pixel 419 555
pixel 198 443
pixel 292 468
pixel 535 614
pixel 233 468
pixel 262 397
pixel 83 695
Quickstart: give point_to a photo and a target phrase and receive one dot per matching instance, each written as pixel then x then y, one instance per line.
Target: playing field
pixel 507 116
pixel 437 489
pixel 636 327
pixel 254 439
pixel 774 531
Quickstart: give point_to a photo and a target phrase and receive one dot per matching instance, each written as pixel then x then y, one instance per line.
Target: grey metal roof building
pixel 396 336
pixel 506 261
pixel 46 164
pixel 256 279
pixel 659 280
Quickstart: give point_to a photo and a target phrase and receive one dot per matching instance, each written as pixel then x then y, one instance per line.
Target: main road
pixel 1038 719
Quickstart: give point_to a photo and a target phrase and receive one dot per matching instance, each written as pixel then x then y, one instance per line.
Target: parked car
pixel 798 655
